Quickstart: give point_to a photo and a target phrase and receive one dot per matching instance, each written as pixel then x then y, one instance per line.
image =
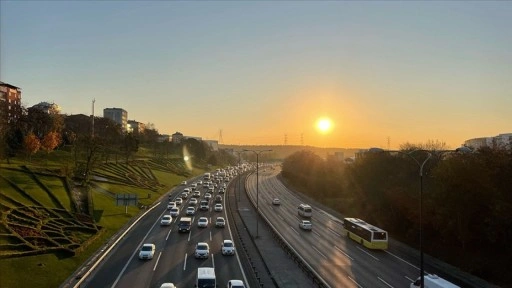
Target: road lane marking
pixel 368 254
pixel 401 260
pixel 351 279
pixel 343 252
pixel 334 232
pixel 318 251
pixel 409 279
pixel 294 230
pixel 213 262
pixel 210 236
pixel 168 234
pixel 185 263
pixel 157 259
pixel 382 280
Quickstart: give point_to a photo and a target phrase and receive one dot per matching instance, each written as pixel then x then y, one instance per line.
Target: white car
pixel 166 220
pixel 202 250
pixel 220 222
pixel 170 205
pixel 196 194
pixel 190 211
pixel 175 211
pixel 184 183
pixel 167 285
pixel 147 251
pixel 235 284
pixel 218 207
pixel 305 225
pixel 178 201
pixel 207 196
pixel 276 201
pixel 184 195
pixel 202 222
pixel 228 248
pixel 192 201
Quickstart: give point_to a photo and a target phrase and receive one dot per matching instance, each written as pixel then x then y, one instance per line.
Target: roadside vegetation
pixel 59 183
pixel 467 201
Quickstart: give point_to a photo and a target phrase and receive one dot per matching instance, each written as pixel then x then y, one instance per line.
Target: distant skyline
pixel 265 72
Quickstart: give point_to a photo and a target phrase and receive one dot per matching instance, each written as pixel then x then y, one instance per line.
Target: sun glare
pixel 324 125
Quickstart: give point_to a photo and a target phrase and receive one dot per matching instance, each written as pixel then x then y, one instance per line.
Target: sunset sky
pixel 265 72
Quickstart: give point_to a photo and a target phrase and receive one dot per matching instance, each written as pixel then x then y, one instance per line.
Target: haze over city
pixel 263 72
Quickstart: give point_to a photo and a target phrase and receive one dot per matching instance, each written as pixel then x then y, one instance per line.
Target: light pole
pixel 420 166
pixel 257 152
pixel 239 174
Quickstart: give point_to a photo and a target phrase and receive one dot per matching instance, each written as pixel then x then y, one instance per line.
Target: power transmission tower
pixel 92 129
pixel 220 137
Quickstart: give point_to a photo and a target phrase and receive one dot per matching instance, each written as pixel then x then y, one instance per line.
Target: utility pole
pixel 92 130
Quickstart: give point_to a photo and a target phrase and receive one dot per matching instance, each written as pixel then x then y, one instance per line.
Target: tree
pixel 31 144
pixel 50 142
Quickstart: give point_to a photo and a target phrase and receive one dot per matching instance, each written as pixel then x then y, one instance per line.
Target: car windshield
pixel 146 248
pixel 228 244
pixel 202 247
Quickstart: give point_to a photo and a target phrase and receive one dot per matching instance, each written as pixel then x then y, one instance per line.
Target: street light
pixel 462 149
pixel 238 171
pixel 257 152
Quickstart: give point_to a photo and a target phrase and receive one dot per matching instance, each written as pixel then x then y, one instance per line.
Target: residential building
pixel 117 115
pixel 177 137
pixel 164 138
pixel 10 100
pixel 49 108
pixel 500 141
pixel 136 127
pixel 213 144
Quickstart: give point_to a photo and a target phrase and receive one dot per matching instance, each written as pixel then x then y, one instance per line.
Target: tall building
pixel 49 108
pixel 118 115
pixel 10 100
pixel 136 127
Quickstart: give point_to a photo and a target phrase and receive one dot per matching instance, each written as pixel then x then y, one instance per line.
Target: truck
pixel 184 224
pixel 433 281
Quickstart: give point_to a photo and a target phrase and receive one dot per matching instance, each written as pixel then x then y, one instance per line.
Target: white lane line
pixel 409 279
pixel 210 236
pixel 168 234
pixel 351 279
pixel 401 260
pixel 343 252
pixel 294 230
pixel 334 232
pixel 189 233
pixel 368 254
pixel 316 233
pixel 213 262
pixel 382 280
pixel 318 251
pixel 157 259
pixel 185 263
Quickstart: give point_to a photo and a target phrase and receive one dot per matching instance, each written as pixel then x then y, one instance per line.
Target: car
pixel 218 199
pixel 276 201
pixel 207 196
pixel 235 284
pixel 175 211
pixel 202 222
pixel 166 220
pixel 228 248
pixel 184 183
pixel 167 285
pixel 178 201
pixel 222 190
pixel 218 207
pixel 196 194
pixel 202 250
pixel 184 195
pixel 192 201
pixel 190 211
pixel 147 251
pixel 204 205
pixel 220 222
pixel 305 225
pixel 199 182
pixel 170 205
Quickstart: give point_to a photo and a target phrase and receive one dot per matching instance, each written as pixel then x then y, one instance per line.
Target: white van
pixel 433 281
pixel 205 277
pixel 305 210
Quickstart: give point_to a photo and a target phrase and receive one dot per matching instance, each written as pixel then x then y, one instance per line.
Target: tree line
pixel 467 200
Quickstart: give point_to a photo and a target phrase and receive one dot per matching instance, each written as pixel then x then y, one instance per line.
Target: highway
pixel 174 259
pixel 338 260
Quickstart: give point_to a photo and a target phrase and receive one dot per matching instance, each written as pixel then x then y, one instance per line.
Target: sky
pixel 264 72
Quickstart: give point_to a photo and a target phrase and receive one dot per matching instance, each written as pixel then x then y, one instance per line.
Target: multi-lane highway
pixel 174 259
pixel 339 261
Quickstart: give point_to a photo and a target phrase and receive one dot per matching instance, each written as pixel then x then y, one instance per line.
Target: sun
pixel 324 125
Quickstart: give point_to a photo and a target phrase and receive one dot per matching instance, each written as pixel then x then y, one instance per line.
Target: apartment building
pixel 10 100
pixel 118 115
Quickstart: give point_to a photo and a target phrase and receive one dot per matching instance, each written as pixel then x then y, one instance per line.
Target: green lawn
pixel 51 269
